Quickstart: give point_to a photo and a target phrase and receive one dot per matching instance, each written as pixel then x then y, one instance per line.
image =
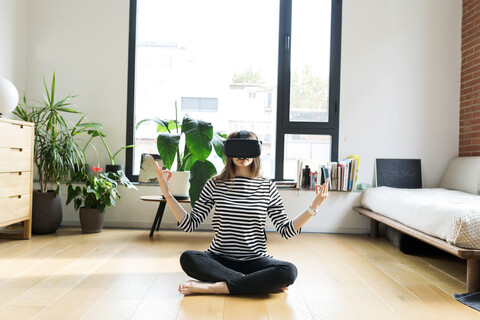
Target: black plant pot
pixel 113 167
pixel 91 220
pixel 47 213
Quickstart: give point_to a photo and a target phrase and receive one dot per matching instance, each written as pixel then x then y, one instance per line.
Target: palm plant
pixel 57 154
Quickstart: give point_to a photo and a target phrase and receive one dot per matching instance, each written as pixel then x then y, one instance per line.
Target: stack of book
pixel 342 174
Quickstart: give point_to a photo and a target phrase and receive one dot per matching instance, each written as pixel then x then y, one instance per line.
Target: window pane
pixel 310 148
pixel 217 59
pixel 310 60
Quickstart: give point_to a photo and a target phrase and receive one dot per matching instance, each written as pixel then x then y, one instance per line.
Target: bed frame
pixel 471 255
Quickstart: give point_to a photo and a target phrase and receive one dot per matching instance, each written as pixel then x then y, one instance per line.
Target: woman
pixel 236 261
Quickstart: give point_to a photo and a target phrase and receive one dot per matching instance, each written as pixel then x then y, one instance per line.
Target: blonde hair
pixel 228 171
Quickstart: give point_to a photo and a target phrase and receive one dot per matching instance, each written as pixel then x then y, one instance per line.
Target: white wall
pixel 400 83
pixel 399 89
pixel 13 41
pixel 86 44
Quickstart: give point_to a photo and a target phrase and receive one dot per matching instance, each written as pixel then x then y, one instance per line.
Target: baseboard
pixel 174 226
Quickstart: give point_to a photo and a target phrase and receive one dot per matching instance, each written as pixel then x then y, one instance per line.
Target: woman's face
pixel 242 162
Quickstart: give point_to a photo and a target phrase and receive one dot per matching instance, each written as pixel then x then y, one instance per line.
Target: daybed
pixel 447 217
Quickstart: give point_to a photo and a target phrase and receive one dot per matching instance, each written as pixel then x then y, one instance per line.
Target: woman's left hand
pixel 322 194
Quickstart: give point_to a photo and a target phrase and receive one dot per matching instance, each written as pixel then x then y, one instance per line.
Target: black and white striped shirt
pixel 241 208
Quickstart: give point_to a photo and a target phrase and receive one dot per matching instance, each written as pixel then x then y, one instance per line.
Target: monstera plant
pixel 190 153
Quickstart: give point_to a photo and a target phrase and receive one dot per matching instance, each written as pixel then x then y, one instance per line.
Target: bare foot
pixel 284 289
pixel 197 287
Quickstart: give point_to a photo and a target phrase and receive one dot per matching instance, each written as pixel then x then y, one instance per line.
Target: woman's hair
pixel 229 171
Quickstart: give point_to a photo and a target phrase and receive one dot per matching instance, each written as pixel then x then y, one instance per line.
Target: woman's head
pixel 232 165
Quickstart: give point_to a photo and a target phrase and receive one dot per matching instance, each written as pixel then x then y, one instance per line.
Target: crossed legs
pixel 218 275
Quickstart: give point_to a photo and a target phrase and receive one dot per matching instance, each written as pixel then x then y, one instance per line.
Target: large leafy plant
pixel 199 140
pixel 57 153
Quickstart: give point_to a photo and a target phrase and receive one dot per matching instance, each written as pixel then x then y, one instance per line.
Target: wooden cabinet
pixel 16 181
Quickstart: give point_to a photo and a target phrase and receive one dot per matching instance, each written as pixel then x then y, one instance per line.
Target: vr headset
pixel 242 147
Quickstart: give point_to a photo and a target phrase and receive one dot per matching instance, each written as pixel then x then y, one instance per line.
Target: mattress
pixel 451 215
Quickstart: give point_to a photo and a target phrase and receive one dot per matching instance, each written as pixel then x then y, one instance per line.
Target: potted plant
pixel 56 153
pixel 199 138
pixel 99 192
pixel 112 167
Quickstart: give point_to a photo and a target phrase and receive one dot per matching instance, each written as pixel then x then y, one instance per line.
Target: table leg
pixel 158 218
pixel 161 215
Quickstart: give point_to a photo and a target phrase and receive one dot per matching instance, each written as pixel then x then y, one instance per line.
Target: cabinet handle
pixel 19 149
pixel 18 196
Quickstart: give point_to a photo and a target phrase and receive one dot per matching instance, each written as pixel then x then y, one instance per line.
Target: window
pixel 268 66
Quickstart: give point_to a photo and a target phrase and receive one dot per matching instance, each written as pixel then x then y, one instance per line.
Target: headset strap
pixel 243 134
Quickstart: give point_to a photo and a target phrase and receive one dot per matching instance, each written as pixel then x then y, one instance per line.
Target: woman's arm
pixel 302 218
pixel 177 210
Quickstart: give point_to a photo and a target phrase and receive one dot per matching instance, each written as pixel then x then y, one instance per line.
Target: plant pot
pixel 47 213
pixel 179 184
pixel 114 167
pixel 91 220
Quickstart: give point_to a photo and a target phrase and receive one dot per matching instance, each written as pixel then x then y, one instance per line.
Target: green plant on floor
pixel 100 190
pixel 57 153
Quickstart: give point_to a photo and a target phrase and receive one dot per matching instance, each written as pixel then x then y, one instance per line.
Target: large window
pixel 267 66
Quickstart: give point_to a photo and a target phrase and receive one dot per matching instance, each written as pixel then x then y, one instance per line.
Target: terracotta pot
pixel 47 212
pixel 91 220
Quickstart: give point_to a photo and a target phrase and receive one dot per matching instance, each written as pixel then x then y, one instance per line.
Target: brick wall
pixel 469 144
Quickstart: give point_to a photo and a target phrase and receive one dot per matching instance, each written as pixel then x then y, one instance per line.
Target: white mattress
pixel 450 215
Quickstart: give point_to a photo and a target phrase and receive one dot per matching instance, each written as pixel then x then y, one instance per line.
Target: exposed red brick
pixel 469 111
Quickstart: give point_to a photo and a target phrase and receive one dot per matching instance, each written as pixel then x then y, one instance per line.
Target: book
pixel 299 173
pixel 340 176
pixel 332 170
pixel 356 159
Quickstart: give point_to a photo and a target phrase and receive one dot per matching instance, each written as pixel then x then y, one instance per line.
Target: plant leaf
pixel 198 137
pixel 160 123
pixel 218 141
pixel 167 145
pixel 188 162
pixel 199 175
pixel 172 126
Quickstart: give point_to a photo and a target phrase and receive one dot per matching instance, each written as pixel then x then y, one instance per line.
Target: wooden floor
pixel 123 274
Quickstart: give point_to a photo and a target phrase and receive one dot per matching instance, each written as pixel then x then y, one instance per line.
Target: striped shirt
pixel 241 209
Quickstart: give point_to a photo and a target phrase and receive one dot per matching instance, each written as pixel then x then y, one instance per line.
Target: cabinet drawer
pixel 15 159
pixel 15 135
pixel 14 183
pixel 14 208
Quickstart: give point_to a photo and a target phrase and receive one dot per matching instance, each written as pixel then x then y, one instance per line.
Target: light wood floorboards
pixel 123 274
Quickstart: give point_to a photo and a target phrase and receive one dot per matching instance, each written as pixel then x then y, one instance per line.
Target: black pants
pixel 262 275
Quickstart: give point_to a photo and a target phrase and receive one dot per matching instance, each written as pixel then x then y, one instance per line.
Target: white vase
pixel 179 184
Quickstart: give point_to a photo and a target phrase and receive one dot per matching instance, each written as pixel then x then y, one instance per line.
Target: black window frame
pixel 284 125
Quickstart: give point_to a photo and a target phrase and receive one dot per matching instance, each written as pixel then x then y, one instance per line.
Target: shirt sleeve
pixel 201 209
pixel 276 212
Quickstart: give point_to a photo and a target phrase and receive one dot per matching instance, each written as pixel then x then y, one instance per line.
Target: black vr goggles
pixel 242 147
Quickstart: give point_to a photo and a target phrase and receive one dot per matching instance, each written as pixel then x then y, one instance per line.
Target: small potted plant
pixel 112 167
pixel 99 192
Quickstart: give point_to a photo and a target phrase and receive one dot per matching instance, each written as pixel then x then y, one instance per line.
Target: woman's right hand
pixel 162 181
